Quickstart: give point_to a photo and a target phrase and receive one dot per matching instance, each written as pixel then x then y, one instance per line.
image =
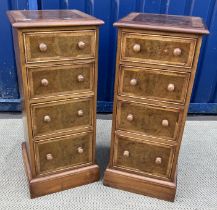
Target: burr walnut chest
pixel 156 63
pixel 56 55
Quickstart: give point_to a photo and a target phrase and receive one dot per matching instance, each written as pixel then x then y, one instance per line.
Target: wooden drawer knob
pixel 133 82
pixel 177 52
pixel 43 47
pixel 136 48
pixel 80 113
pixel 47 118
pixel 81 45
pixel 126 153
pixel 165 123
pixel 80 150
pixel 44 82
pixel 80 78
pixel 49 157
pixel 171 87
pixel 158 160
pixel 130 117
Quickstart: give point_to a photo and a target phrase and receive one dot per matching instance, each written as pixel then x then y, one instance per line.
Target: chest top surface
pixel 43 18
pixel 163 22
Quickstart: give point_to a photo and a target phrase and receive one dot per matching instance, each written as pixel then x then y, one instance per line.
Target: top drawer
pixel 59 45
pixel 158 49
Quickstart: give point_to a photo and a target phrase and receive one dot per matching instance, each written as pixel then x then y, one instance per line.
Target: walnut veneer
pixel 156 63
pixel 56 54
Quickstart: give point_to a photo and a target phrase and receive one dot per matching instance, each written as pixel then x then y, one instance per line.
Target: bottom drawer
pixel 143 157
pixel 63 152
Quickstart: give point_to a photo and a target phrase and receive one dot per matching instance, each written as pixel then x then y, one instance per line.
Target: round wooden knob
pixel 126 153
pixel 80 150
pixel 80 78
pixel 130 117
pixel 165 123
pixel 44 82
pixel 47 118
pixel 136 48
pixel 43 47
pixel 158 160
pixel 49 157
pixel 133 82
pixel 80 113
pixel 171 87
pixel 81 45
pixel 177 52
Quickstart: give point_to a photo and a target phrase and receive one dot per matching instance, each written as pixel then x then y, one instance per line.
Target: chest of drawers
pixel 56 55
pixel 156 63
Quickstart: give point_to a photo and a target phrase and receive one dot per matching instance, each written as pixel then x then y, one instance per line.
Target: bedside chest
pixel 156 63
pixel 56 54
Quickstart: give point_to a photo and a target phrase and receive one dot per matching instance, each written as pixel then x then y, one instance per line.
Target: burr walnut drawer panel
pixel 59 45
pixel 63 152
pixel 65 115
pixel 143 156
pixel 158 49
pixel 153 83
pixel 147 119
pixel 51 81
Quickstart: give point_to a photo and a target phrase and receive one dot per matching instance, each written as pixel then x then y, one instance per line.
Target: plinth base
pixel 140 184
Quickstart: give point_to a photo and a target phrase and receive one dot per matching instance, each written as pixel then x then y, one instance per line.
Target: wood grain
pixel 49 18
pixel 64 153
pixel 153 83
pixel 58 182
pixel 148 119
pixel 142 157
pixel 140 184
pixel 63 114
pixel 60 45
pixel 62 80
pixel 162 22
pixel 158 49
pixel 57 56
pixel 155 53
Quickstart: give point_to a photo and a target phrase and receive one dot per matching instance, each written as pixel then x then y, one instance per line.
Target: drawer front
pixel 143 157
pixel 64 152
pixel 52 81
pixel 61 116
pixel 156 84
pixel 149 120
pixel 59 45
pixel 158 49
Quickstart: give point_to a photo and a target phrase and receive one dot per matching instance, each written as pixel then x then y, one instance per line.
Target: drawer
pixel 62 116
pixel 63 152
pixel 59 45
pixel 61 80
pixel 143 156
pixel 154 84
pixel 147 119
pixel 158 49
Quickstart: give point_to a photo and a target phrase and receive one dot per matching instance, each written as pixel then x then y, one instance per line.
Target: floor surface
pixel 197 174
